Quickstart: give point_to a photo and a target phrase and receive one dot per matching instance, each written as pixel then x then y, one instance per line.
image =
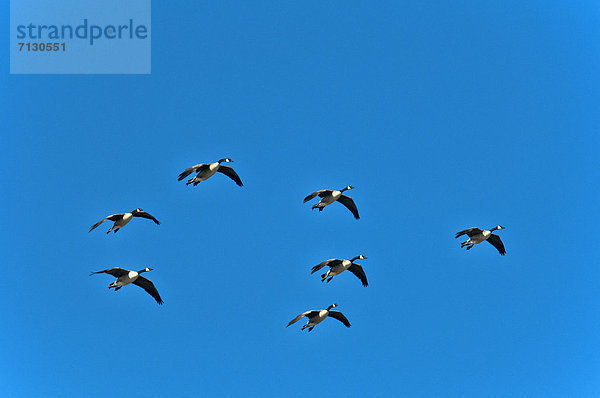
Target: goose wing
pixel 340 317
pixel 495 241
pixel 112 217
pixel 469 232
pixel 116 272
pixel 349 203
pixel 143 214
pixel 229 172
pixel 321 193
pixel 331 263
pixel 358 270
pixel 148 286
pixel 193 169
pixel 296 319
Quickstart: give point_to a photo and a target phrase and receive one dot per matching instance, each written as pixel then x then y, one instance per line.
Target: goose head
pixel 499 227
pixel 138 210
pixel 147 269
pixel 332 306
pixel 226 160
pixel 359 257
pixel 347 188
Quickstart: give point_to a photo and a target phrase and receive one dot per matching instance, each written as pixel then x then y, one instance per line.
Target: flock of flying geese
pixel 336 266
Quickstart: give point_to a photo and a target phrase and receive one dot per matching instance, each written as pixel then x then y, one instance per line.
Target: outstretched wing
pixel 331 263
pixel 146 215
pixel 321 193
pixel 469 232
pixel 116 272
pixel 349 203
pixel 229 172
pixel 340 317
pixel 497 243
pixel 193 169
pixel 148 286
pixel 296 319
pixel 112 217
pixel 358 270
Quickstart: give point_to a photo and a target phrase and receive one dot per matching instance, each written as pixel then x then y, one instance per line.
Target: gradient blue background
pixel 444 115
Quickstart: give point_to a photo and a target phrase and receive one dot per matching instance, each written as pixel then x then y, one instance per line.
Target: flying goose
pixel 125 277
pixel 123 218
pixel 330 196
pixel 207 170
pixel 316 317
pixel 477 235
pixel 337 266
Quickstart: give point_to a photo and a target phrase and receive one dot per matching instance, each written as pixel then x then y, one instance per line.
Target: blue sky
pixel 443 115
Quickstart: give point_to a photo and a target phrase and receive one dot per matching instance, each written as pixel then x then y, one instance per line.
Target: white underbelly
pixel 126 218
pixel 319 318
pixel 127 279
pixel 206 174
pixel 478 238
pixel 338 269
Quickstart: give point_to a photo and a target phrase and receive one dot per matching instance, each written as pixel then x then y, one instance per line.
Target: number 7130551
pixel 42 46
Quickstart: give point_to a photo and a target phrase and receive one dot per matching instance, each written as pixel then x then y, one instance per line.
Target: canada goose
pixel 477 235
pixel 316 317
pixel 123 218
pixel 207 170
pixel 330 196
pixel 125 277
pixel 337 266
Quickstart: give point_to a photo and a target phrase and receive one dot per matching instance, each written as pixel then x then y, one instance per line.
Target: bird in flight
pixel 125 277
pixel 477 236
pixel 206 170
pixel 337 266
pixel 329 196
pixel 316 317
pixel 121 219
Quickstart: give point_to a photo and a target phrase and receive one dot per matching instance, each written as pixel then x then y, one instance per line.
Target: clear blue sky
pixel 444 115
